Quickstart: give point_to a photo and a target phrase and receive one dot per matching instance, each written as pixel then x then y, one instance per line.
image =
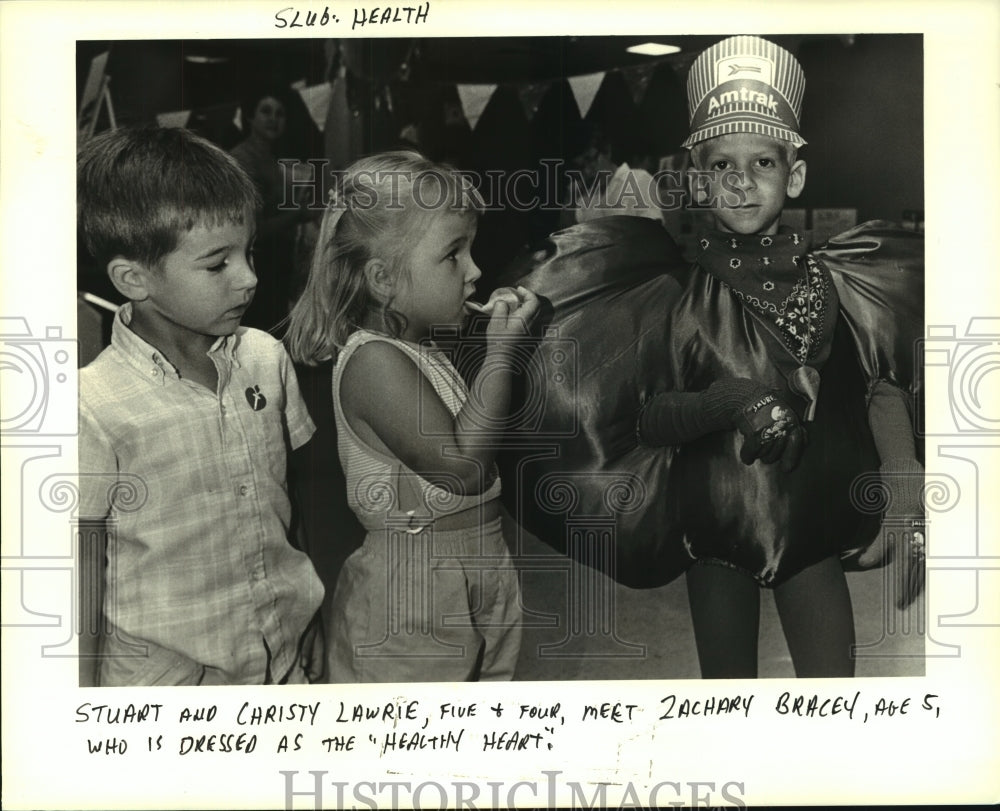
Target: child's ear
pixel 129 278
pixel 379 279
pixel 797 178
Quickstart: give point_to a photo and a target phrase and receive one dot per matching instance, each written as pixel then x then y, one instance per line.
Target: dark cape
pixel 624 317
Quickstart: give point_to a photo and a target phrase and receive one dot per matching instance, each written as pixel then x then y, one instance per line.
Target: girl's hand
pixel 511 310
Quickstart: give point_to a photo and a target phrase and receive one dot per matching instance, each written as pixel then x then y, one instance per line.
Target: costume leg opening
pixel 818 620
pixel 725 611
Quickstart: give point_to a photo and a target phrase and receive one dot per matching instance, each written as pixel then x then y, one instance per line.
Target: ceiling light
pixel 653 49
pixel 198 59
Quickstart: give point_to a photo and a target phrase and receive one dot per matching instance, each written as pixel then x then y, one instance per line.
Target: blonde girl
pixel 431 595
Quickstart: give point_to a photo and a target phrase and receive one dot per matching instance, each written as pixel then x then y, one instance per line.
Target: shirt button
pixel 243 489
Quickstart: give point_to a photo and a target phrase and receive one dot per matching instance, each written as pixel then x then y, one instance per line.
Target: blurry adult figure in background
pixel 264 120
pixel 604 188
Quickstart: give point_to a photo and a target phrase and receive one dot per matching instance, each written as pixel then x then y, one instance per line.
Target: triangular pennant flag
pixel 238 119
pixel 531 96
pixel 317 101
pixel 178 119
pixel 474 98
pixel 585 89
pixel 637 79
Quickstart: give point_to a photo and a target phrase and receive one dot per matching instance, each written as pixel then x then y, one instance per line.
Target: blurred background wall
pixel 501 105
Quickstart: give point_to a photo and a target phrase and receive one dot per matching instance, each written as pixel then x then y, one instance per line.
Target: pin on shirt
pixel 254 397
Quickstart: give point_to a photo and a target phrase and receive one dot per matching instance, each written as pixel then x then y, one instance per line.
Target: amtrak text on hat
pixel 745 84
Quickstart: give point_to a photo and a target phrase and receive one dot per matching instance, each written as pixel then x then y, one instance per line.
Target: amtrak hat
pixel 745 84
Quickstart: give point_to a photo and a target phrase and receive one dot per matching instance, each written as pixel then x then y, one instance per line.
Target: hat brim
pixel 747 127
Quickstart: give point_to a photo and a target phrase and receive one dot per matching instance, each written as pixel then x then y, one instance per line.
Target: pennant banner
pixel 178 119
pixel 585 89
pixel 317 101
pixel 531 96
pixel 474 98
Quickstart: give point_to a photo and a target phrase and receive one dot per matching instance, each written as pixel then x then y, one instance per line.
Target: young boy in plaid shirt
pixel 185 424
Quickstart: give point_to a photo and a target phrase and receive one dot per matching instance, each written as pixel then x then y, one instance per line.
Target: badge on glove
pixel 771 431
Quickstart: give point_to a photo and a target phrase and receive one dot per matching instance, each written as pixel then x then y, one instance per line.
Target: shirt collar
pixel 152 363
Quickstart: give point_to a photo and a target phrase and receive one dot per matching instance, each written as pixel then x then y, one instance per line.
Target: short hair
pixel 791 151
pixel 138 189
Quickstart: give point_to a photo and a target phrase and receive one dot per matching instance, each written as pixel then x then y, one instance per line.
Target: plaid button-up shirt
pixel 199 561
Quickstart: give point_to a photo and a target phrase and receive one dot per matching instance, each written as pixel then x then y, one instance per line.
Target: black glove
pixel 772 432
pixel 673 418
